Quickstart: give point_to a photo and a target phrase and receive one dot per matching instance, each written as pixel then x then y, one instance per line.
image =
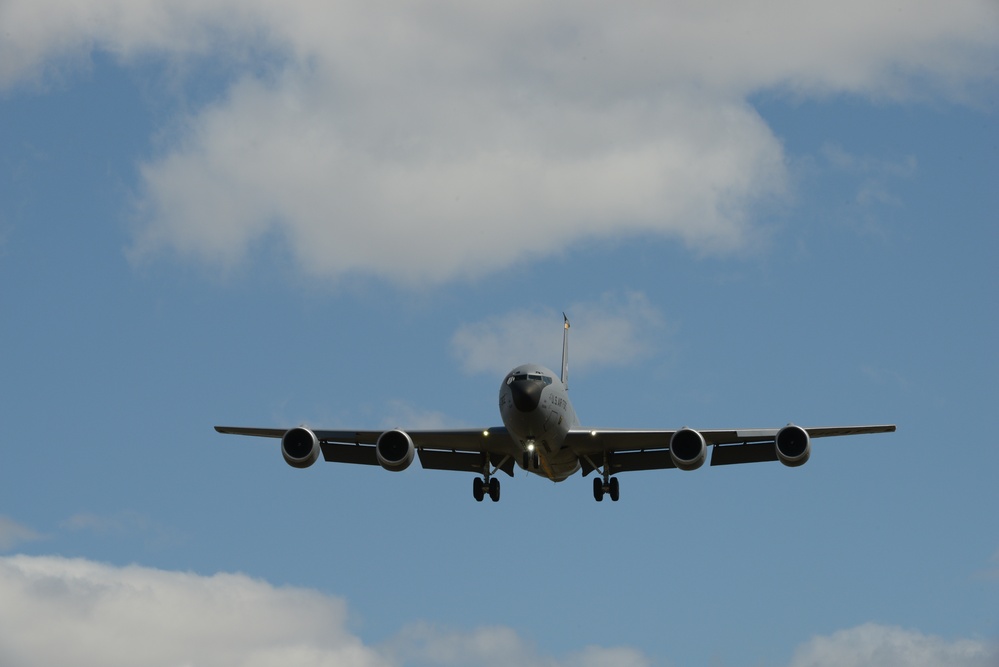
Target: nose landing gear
pixel 532 460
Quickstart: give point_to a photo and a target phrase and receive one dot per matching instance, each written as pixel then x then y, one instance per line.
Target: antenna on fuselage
pixel 565 353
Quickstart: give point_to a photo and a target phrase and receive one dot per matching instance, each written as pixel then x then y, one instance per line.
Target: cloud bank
pixel 434 140
pixel 874 644
pixel 58 611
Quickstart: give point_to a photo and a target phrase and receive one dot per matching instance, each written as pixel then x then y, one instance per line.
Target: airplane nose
pixel 526 394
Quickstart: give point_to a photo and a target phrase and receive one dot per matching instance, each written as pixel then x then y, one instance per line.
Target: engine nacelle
pixel 794 446
pixel 300 447
pixel 394 450
pixel 688 449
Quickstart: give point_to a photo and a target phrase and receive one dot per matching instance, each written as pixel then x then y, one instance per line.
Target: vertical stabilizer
pixel 565 353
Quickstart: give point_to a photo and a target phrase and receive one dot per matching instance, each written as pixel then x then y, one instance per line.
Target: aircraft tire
pixel 598 489
pixel 615 489
pixel 494 490
pixel 477 489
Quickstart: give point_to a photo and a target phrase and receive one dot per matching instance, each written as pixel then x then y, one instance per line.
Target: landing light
pixel 593 433
pixel 485 434
pixel 530 446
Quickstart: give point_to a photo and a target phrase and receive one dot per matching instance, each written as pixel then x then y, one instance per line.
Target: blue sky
pixel 357 217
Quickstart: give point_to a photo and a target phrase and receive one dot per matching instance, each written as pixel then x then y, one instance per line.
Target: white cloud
pixel 136 616
pixel 428 141
pixel 13 534
pixel 617 330
pixel 887 646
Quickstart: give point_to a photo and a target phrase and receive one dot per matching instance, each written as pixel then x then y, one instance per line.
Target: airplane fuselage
pixel 535 408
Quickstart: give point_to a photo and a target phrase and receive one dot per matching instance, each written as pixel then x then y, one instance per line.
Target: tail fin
pixel 565 352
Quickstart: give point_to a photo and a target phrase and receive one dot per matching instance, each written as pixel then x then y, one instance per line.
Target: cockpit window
pixel 529 376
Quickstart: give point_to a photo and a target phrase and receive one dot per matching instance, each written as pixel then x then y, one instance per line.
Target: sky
pixel 361 215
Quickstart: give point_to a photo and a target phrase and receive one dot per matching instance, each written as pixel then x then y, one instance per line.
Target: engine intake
pixel 300 447
pixel 793 445
pixel 394 450
pixel 688 449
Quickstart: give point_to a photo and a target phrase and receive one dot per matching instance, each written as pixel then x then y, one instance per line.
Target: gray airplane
pixel 542 435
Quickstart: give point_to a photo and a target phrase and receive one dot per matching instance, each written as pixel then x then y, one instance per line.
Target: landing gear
pixel 481 486
pixel 532 460
pixel 605 483
pixel 610 487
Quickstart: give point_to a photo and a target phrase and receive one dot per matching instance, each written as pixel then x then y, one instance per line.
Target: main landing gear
pixel 482 485
pixel 605 483
pixel 609 486
pixel 487 483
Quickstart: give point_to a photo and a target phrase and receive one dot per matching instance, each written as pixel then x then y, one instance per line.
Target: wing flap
pixel 658 459
pixel 340 453
pixel 752 453
pixel 463 440
pixel 597 441
pixel 434 459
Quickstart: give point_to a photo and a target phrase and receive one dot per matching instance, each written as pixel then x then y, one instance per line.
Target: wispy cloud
pixel 991 571
pixel 426 644
pixel 616 330
pixel 422 146
pixel 875 178
pixel 13 534
pixel 124 524
pixel 840 158
pixel 403 414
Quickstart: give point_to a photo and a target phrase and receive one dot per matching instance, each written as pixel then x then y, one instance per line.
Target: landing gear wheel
pixel 615 489
pixel 494 490
pixel 598 489
pixel 478 489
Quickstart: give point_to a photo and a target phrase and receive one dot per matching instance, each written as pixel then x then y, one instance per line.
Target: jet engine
pixel 300 447
pixel 394 450
pixel 793 445
pixel 688 449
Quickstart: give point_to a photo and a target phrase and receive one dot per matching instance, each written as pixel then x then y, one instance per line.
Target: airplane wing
pixel 466 450
pixel 627 450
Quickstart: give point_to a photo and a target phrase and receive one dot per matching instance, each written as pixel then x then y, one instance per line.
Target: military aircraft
pixel 542 435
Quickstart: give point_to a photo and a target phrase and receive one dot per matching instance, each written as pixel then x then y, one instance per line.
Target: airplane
pixel 542 435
